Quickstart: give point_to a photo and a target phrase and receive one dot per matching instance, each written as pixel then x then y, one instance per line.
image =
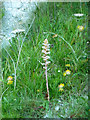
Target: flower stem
pixel 47 82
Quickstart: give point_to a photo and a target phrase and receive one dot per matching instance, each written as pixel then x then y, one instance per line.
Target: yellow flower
pixel 64 74
pixel 61 87
pixel 10 78
pixel 80 28
pixel 67 65
pixel 9 82
pixel 68 72
pixel 38 90
pixel 55 35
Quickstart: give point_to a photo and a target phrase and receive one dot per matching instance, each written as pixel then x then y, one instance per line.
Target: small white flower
pixel 47 52
pixel 46 41
pixel 18 31
pixel 46 46
pixel 43 47
pixel 59 101
pixel 48 62
pixel 58 70
pixel 43 63
pixel 45 67
pixel 45 58
pixel 57 108
pixel 43 51
pixel 78 15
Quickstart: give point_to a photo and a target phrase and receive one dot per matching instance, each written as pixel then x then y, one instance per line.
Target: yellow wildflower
pixel 64 74
pixel 9 82
pixel 10 78
pixel 61 87
pixel 55 35
pixel 80 28
pixel 67 65
pixel 38 90
pixel 68 72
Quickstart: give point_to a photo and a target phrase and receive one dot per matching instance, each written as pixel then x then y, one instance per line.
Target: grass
pixel 28 98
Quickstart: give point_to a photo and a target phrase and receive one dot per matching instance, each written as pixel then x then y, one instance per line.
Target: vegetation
pixel 26 96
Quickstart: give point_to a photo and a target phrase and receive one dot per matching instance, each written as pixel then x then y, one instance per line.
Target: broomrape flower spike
pixel 46 52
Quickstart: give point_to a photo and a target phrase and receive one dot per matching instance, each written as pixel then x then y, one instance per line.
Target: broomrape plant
pixel 46 52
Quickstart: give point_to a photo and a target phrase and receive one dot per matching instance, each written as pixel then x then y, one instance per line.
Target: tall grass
pixel 23 58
